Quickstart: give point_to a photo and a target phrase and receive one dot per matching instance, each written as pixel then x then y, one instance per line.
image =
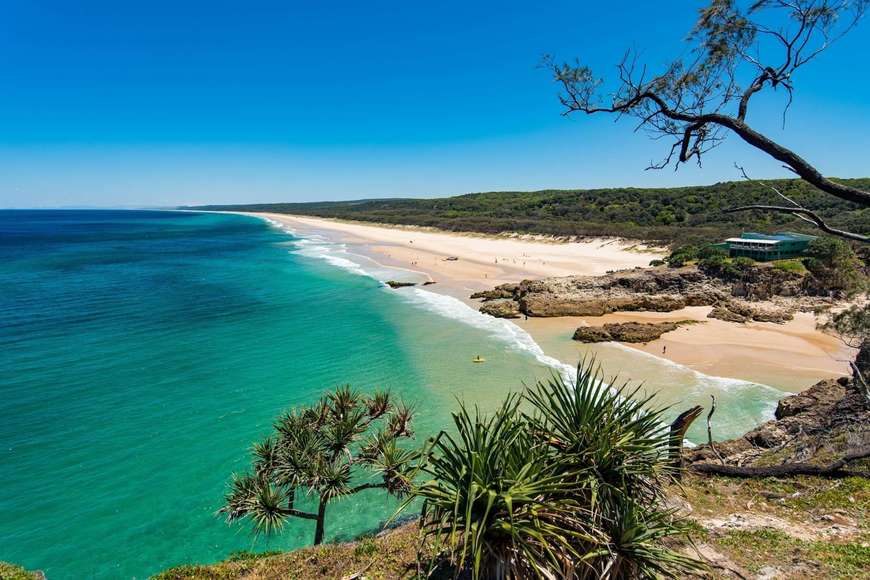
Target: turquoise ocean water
pixel 142 352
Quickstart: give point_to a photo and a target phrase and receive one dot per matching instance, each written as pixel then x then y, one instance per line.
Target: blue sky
pixel 161 103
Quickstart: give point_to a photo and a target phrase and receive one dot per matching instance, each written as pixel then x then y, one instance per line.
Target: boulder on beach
pixel 501 309
pixel 395 284
pixel 635 332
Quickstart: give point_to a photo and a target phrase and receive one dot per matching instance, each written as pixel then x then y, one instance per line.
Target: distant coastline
pixel 790 356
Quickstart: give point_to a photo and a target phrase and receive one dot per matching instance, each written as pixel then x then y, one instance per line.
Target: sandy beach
pixel 481 261
pixel 791 356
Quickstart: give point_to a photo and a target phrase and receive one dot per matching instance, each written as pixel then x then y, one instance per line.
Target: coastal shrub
pixel 682 255
pixel 834 267
pixel 795 266
pixel 562 481
pixel 852 325
pixel 322 451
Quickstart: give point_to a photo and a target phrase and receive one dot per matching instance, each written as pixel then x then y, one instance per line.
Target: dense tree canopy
pixel 685 214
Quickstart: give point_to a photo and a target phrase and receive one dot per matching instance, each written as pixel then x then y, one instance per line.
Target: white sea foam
pixel 336 254
pixel 499 328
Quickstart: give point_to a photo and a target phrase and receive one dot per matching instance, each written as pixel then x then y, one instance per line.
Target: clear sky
pixel 183 102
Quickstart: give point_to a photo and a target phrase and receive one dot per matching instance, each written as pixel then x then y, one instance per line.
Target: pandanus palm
pixel 563 481
pixel 320 450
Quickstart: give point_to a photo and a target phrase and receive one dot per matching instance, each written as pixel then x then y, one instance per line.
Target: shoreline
pixel 483 261
pixel 790 356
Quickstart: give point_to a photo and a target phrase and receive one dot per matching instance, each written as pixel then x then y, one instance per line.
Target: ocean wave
pixel 330 255
pixel 724 382
pixel 505 331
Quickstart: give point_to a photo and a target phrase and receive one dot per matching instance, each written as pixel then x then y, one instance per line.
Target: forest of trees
pixel 674 215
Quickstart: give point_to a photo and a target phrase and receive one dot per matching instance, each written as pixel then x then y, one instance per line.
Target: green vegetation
pixel 571 488
pixel 673 216
pixel 317 449
pixel 13 572
pixel 759 547
pixel 796 266
pixel 852 325
pixel 834 267
pixel 387 557
pixel 831 266
pixel 801 501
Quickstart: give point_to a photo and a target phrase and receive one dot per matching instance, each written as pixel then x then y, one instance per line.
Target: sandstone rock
pixel 548 305
pixel 661 303
pixel 592 334
pixel 501 308
pixel 815 426
pixel 722 313
pixel 626 331
pixel 740 311
pixel 503 291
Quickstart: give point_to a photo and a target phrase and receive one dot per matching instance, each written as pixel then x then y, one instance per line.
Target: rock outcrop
pixel 501 309
pixel 818 425
pixel 734 311
pixel 656 290
pixel 394 284
pixel 627 331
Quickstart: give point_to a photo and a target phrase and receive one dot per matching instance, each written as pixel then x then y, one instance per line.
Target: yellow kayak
pixel 478 359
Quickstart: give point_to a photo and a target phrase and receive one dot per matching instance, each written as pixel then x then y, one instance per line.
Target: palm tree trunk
pixel 321 515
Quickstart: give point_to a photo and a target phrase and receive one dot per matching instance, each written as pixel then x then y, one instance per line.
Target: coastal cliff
pixel 826 422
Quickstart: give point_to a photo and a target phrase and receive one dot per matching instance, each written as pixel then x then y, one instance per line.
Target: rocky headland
pixel 765 295
pixel 819 426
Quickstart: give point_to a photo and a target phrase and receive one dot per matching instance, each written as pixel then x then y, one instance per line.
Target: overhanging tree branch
pixel 811 215
pixel 739 52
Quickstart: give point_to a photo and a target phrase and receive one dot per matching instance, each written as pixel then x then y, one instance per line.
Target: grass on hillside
pixel 801 502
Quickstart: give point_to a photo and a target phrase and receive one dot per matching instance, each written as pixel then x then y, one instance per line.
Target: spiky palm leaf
pixel 265 454
pixel 488 502
pixel 569 489
pixel 342 401
pixel 608 428
pixel 396 465
pixel 400 420
pixel 379 404
pixel 315 449
pixel 256 498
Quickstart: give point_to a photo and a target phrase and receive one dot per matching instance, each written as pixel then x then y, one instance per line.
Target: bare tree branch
pixel 796 209
pixel 834 469
pixel 814 217
pixel 738 53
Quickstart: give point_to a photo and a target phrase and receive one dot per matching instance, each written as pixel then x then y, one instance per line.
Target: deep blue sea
pixel 142 352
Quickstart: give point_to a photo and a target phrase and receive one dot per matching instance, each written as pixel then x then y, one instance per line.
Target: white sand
pixel 483 261
pixel 792 355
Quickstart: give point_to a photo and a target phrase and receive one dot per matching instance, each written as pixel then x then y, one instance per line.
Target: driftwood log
pixel 834 469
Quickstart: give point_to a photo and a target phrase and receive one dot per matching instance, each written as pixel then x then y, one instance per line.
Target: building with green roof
pixel 766 247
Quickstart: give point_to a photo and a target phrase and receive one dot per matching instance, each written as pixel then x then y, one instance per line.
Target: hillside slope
pixel 672 215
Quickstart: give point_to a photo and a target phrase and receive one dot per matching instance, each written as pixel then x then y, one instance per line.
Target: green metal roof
pixel 778 237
